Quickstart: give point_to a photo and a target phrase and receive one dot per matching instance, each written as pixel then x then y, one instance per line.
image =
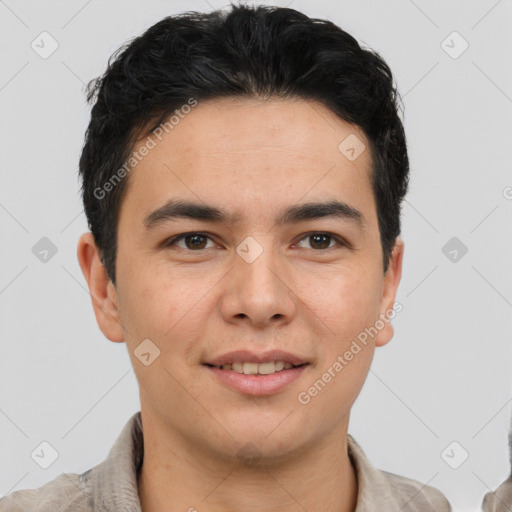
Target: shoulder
pixel 390 492
pixel 500 500
pixel 415 496
pixel 62 494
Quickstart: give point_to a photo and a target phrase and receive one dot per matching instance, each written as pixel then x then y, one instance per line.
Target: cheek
pixel 147 307
pixel 146 284
pixel 352 309
pixel 162 312
pixel 347 303
pixel 168 310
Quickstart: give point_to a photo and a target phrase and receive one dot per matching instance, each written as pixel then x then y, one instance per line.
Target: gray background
pixel 446 376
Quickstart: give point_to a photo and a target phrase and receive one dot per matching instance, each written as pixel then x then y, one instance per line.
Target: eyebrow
pixel 176 208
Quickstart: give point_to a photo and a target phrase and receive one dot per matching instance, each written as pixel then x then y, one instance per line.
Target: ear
pixel 391 282
pixel 103 292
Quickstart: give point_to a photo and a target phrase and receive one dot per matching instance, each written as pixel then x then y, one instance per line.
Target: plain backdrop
pixel 446 376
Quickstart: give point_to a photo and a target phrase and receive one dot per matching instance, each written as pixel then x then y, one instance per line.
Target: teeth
pixel 250 368
pixel 266 368
pixel 255 368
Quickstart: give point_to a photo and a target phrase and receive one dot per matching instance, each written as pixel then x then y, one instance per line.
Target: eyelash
pixel 172 241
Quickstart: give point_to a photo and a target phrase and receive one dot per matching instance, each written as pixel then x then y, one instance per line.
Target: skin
pixel 251 157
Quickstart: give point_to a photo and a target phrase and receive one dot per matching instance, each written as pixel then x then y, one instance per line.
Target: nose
pixel 258 291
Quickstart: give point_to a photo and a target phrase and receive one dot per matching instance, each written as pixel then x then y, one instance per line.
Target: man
pixel 501 499
pixel 242 178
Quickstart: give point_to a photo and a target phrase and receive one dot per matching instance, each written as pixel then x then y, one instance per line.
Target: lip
pixel 257 385
pixel 243 356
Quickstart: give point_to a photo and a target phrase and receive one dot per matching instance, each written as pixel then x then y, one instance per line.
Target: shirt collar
pixel 373 486
pixel 112 485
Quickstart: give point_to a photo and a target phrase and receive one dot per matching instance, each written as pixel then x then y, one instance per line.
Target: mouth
pixel 253 374
pixel 258 369
pixel 257 374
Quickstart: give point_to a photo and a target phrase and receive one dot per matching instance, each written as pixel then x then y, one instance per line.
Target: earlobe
pixel 391 282
pixel 102 291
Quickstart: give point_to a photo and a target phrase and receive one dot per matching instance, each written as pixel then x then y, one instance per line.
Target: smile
pixel 249 368
pixel 251 379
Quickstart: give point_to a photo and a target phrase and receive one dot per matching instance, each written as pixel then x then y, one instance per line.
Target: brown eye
pixel 193 241
pixel 322 240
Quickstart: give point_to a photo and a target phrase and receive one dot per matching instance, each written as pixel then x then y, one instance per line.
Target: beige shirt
pixel 498 501
pixel 112 485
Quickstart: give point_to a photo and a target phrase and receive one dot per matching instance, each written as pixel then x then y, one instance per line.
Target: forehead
pixel 252 153
pixel 240 126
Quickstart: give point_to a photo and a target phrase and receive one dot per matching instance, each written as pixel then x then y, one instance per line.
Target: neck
pixel 178 476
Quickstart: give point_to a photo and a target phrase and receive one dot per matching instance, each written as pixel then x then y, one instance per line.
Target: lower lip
pixel 258 385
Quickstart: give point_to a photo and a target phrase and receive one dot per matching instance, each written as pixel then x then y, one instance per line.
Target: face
pixel 202 286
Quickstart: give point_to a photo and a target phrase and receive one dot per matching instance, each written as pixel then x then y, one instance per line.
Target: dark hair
pixel 245 52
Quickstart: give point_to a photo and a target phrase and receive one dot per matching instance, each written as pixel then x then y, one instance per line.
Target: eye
pixel 322 240
pixel 193 241
pixel 197 241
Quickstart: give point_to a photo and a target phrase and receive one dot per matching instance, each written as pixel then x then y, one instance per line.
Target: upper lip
pixel 246 356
